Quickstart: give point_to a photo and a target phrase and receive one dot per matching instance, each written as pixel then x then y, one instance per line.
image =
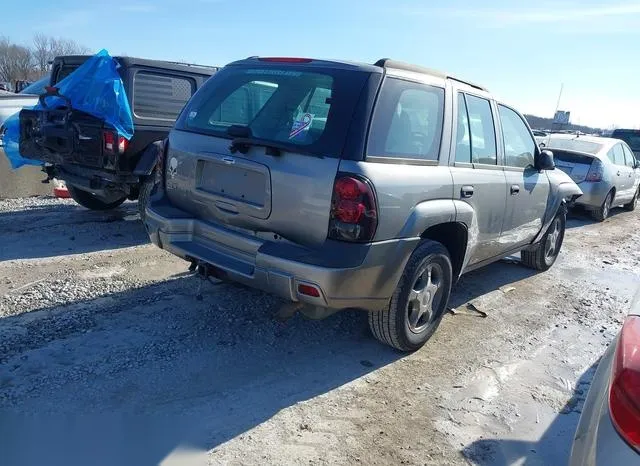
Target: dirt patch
pixel 96 321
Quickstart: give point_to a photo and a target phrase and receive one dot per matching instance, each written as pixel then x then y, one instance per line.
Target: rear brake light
pixel 354 210
pixel 109 139
pixel 624 395
pixel 285 59
pixel 596 171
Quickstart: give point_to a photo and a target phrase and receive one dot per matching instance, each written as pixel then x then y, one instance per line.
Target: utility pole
pixel 559 97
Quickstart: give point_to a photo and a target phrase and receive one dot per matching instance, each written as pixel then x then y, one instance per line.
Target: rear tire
pixel 146 188
pixel 602 212
pixel 88 200
pixel 419 301
pixel 543 255
pixel 631 206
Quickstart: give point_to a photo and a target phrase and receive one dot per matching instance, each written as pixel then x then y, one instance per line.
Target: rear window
pixel 630 137
pixel 64 71
pixel 575 144
pixel 572 158
pixel 305 107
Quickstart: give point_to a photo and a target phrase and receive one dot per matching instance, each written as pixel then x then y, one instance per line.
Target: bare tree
pixel 40 51
pixel 46 48
pixel 66 47
pixel 15 61
pixel 18 62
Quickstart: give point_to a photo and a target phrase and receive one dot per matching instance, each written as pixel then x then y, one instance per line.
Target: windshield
pixel 630 137
pixel 37 87
pixel 575 144
pixel 305 107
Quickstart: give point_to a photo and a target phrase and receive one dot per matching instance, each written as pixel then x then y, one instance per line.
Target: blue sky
pixel 521 51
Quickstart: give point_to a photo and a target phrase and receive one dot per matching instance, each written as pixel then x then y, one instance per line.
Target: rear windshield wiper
pixel 243 139
pixel 242 145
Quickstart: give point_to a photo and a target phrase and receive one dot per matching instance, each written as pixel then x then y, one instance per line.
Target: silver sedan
pixel 609 429
pixel 604 168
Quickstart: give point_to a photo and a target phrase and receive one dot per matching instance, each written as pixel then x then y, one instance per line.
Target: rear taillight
pixel 109 139
pixel 354 211
pixel 624 394
pixel 595 171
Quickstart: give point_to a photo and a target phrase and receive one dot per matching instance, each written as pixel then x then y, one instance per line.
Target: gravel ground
pixel 108 356
pixel 26 181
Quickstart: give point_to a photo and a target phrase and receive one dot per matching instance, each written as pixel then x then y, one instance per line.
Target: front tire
pixel 543 255
pixel 419 301
pixel 88 200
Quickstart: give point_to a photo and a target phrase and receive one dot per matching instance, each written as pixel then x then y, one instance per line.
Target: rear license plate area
pixel 240 184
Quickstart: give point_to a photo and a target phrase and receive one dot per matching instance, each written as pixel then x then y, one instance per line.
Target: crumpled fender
pixel 562 190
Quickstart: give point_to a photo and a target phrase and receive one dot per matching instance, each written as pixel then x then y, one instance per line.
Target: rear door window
pixel 407 121
pixel 483 133
pixel 303 107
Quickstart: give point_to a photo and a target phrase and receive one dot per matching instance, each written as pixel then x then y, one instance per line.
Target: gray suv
pixel 349 186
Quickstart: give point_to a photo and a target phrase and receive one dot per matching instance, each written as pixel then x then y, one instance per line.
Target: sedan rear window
pixel 307 108
pixel 576 144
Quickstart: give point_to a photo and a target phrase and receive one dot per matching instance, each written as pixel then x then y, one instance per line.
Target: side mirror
pixel 544 160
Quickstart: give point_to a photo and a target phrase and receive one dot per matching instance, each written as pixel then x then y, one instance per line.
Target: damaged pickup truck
pixel 101 166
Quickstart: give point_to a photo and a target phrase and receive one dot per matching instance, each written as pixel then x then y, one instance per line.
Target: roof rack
pixel 389 63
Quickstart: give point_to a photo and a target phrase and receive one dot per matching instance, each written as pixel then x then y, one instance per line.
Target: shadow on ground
pixel 62 229
pixel 579 217
pixel 487 279
pixel 130 377
pixel 553 447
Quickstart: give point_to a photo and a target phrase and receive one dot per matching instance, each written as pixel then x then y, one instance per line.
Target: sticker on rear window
pixel 192 114
pixel 301 125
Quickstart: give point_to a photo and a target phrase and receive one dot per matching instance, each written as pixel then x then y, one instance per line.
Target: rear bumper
pixel 102 183
pixel 361 276
pixel 593 194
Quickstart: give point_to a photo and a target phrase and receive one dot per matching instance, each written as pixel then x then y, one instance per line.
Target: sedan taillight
pixel 624 394
pixel 596 171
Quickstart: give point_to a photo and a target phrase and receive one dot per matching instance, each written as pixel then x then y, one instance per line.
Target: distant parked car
pixel 11 103
pixel 609 429
pixel 604 168
pixel 631 137
pixel 354 186
pixel 541 137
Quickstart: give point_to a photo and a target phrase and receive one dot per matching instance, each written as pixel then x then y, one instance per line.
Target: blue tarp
pixel 95 88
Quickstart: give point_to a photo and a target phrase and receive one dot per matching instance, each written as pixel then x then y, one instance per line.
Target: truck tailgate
pixel 61 137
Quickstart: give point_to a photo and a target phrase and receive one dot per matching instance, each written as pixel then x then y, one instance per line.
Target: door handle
pixel 466 191
pixel 515 189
